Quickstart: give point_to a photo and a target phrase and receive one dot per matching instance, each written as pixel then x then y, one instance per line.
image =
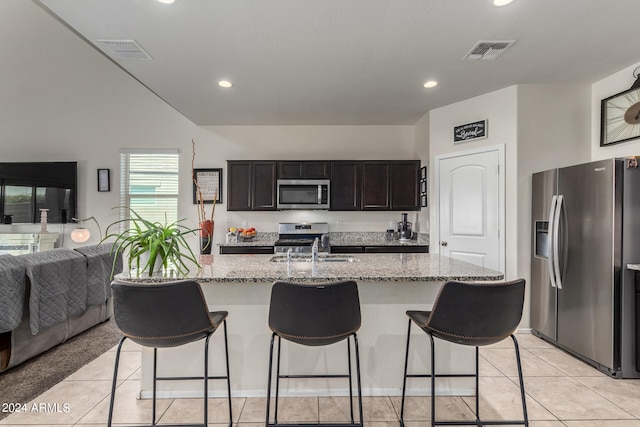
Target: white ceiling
pixel 352 62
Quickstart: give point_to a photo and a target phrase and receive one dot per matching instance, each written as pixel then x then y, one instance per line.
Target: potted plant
pixel 152 244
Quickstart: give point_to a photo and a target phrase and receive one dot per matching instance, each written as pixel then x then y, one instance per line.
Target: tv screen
pixel 25 188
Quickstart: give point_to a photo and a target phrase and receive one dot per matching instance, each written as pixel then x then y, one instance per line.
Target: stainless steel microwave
pixel 303 193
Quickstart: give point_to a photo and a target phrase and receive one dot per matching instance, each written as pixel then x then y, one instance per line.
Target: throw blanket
pixel 99 266
pixel 58 286
pixel 12 289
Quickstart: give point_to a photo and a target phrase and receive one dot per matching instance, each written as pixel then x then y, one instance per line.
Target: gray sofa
pixel 48 297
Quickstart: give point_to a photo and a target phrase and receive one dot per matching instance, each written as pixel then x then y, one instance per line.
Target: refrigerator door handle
pixel 552 211
pixel 555 240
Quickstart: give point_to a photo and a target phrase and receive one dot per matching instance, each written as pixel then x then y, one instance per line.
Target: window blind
pixel 149 184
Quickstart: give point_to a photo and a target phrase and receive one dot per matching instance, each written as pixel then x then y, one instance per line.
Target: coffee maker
pixel 405 232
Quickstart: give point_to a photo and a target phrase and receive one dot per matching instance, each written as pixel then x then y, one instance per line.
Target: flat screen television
pixel 25 188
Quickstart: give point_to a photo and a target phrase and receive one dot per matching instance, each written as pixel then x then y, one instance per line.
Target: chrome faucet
pixel 314 250
pixel 289 255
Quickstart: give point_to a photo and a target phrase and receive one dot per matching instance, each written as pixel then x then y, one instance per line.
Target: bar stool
pixel 315 315
pixel 471 314
pixel 165 315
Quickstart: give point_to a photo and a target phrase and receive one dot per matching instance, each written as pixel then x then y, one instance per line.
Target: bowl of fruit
pixel 247 233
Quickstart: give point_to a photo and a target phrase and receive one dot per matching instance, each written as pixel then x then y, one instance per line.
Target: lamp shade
pixel 80 235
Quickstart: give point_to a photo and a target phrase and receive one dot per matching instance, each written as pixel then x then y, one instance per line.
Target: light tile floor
pixel 561 391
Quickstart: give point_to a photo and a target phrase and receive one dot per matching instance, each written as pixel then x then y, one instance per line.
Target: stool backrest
pixel 477 313
pixel 163 314
pixel 314 314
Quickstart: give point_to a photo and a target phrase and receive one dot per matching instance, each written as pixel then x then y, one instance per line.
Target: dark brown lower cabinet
pixel 423 249
pixel 239 250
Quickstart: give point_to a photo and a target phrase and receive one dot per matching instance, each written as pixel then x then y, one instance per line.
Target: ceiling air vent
pixel 487 50
pixel 124 49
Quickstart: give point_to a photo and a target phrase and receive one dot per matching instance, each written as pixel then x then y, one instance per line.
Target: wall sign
pixel 210 183
pixel 475 130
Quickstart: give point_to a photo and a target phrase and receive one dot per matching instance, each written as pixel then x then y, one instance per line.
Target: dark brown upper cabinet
pixel 251 185
pixel 304 169
pixel 346 185
pixel 239 182
pixel 264 186
pixel 375 186
pixel 404 184
pixel 355 185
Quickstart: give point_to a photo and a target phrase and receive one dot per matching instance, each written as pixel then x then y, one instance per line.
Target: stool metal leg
pixel 273 336
pixel 226 353
pixel 114 382
pixel 478 421
pixel 355 340
pixel 206 379
pixel 350 379
pixel 404 378
pixel 433 381
pixel 275 411
pixel 155 376
pixel 522 393
pixel 477 386
pixel 348 376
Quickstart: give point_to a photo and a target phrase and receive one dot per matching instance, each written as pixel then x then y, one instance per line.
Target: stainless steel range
pixel 299 237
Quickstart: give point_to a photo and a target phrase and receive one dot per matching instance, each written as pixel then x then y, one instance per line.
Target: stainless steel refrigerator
pixel 586 229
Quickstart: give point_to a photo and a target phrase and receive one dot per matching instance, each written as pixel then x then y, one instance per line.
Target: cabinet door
pixel 263 196
pixel 404 185
pixel 315 170
pixel 375 186
pixel 303 169
pixel 345 186
pixel 289 170
pixel 239 180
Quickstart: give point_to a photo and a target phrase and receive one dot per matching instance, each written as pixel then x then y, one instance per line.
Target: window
pixel 149 184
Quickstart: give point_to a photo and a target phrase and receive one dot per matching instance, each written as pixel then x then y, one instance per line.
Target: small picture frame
pixel 210 183
pixel 423 187
pixel 104 180
pixel 423 200
pixel 423 173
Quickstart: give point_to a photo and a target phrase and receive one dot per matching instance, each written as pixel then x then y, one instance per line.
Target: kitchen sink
pixel 307 258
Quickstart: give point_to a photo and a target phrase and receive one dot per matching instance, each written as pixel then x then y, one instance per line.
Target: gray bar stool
pixel 164 315
pixel 315 315
pixel 472 314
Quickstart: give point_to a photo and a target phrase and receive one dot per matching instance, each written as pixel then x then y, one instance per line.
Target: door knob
pixel 443 243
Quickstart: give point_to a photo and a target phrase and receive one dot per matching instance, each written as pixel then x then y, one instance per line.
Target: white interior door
pixel 469 208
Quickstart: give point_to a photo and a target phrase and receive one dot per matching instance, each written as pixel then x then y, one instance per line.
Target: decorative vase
pixel 206 236
pixel 43 220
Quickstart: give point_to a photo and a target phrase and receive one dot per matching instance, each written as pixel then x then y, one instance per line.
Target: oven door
pixel 303 194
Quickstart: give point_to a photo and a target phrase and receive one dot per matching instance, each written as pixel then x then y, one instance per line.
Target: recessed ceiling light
pixel 501 2
pixel 430 84
pixel 225 83
pixel 166 1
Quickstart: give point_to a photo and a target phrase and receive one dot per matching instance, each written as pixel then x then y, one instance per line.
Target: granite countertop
pixel 366 268
pixel 339 239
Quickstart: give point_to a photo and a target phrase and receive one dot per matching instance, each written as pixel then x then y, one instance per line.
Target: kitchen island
pixel 389 285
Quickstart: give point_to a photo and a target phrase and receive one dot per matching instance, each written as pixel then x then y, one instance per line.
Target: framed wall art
pixel 104 180
pixel 620 121
pixel 210 183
